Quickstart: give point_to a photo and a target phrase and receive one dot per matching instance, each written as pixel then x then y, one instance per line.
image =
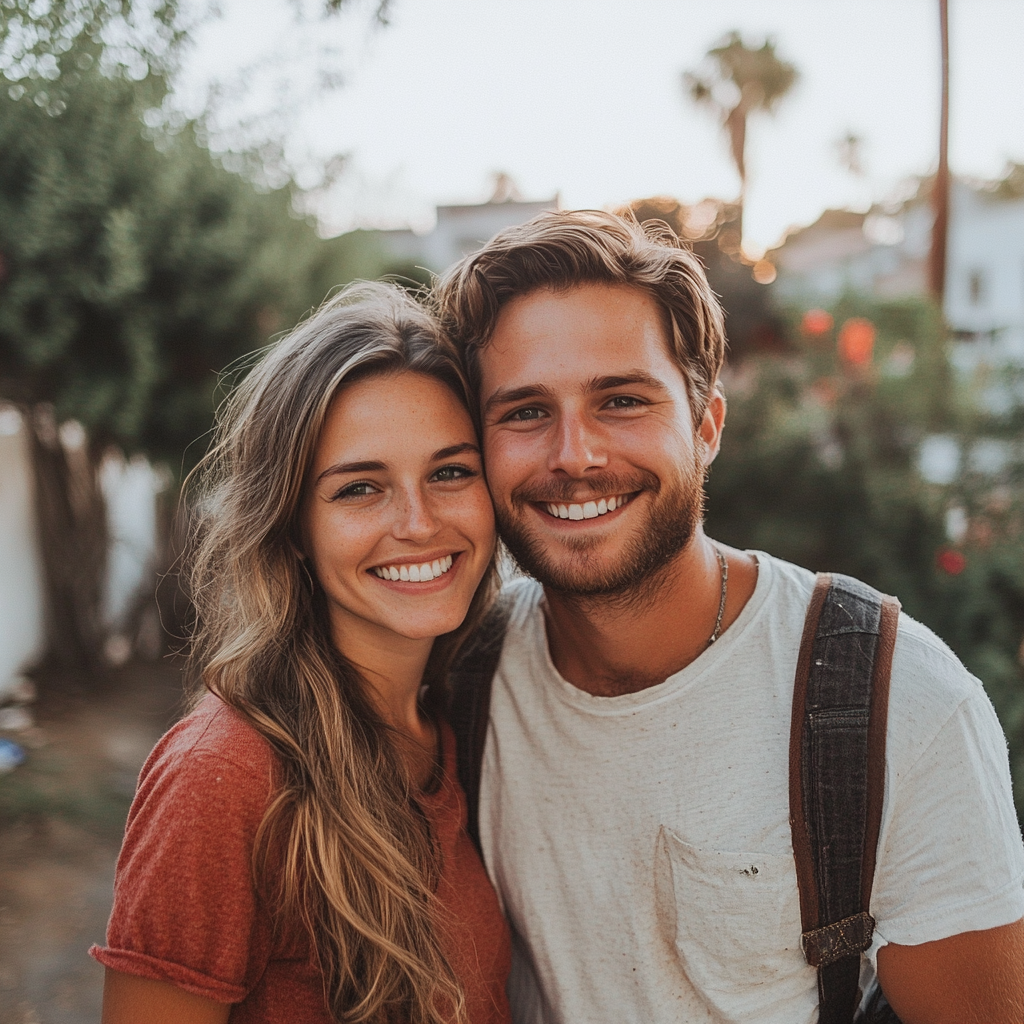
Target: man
pixel 634 806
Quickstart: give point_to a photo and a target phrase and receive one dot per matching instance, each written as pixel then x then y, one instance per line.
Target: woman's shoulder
pixel 213 737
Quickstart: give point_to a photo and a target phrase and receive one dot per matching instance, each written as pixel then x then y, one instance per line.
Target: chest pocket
pixel 734 919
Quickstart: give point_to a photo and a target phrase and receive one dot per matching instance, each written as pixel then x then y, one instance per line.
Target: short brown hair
pixel 574 247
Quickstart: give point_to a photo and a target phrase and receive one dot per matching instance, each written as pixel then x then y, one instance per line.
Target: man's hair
pixel 565 249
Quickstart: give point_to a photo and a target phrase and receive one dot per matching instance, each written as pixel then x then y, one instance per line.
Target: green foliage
pixel 135 266
pixel 760 76
pixel 819 465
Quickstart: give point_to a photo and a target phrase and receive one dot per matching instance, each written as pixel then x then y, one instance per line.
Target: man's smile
pixel 591 509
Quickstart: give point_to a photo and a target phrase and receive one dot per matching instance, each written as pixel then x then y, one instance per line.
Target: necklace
pixel 724 565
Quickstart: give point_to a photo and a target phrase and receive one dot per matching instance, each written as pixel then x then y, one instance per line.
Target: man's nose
pixel 415 519
pixel 576 448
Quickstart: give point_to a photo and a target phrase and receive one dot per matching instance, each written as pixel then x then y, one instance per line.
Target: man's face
pixel 591 454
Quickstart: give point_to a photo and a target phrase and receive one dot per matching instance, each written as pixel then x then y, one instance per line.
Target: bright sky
pixel 583 97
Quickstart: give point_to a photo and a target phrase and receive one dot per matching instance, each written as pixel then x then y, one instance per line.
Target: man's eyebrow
pixel 624 380
pixel 453 450
pixel 504 396
pixel 351 467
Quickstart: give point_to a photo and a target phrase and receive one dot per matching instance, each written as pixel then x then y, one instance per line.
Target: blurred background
pixel 181 181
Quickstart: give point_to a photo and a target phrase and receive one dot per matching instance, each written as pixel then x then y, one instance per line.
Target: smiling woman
pixel 297 850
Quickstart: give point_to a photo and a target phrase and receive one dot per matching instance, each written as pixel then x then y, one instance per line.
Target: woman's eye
pixel 360 489
pixel 448 473
pixel 525 415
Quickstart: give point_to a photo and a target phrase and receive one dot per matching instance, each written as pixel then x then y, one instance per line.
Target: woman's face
pixel 396 517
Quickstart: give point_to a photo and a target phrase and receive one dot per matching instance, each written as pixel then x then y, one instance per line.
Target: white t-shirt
pixel 641 844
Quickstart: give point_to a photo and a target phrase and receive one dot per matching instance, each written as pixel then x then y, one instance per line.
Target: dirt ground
pixel 62 815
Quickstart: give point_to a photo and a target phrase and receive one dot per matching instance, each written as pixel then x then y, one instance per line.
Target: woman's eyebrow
pixel 453 450
pixel 351 467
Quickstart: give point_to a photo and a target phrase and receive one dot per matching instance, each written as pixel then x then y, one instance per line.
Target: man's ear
pixel 712 423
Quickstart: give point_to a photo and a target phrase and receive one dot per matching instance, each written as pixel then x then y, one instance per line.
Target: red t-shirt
pixel 185 907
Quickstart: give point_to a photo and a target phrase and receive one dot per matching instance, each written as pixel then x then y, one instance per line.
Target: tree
pixel 819 465
pixel 738 81
pixel 135 267
pixel 940 190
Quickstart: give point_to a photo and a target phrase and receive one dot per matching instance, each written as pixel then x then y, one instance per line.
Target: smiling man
pixel 634 783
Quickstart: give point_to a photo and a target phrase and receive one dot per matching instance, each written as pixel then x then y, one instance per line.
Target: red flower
pixel 951 561
pixel 816 322
pixel 857 341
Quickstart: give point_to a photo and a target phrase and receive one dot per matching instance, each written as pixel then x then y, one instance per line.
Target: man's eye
pixel 525 415
pixel 448 473
pixel 624 402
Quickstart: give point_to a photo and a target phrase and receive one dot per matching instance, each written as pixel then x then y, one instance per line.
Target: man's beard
pixel 675 511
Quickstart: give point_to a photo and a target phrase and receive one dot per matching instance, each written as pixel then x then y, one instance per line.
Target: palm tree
pixel 739 80
pixel 940 193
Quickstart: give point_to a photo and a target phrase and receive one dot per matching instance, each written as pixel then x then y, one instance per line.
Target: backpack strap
pixel 837 778
pixel 470 680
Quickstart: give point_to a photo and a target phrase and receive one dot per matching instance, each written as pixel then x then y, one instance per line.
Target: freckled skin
pixel 415 508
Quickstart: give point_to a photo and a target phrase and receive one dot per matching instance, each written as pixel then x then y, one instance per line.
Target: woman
pixel 296 850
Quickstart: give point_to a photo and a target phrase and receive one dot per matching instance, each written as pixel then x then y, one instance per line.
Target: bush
pixel 819 465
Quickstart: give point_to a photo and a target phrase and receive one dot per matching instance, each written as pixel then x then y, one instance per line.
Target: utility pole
pixel 940 193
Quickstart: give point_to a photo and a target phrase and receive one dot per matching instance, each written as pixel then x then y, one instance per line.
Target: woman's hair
pixel 353 853
pixel 565 249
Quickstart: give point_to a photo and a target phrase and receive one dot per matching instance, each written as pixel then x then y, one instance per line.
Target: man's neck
pixel 609 646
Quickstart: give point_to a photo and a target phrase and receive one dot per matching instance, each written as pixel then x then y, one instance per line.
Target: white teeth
pixel 588 510
pixel 422 573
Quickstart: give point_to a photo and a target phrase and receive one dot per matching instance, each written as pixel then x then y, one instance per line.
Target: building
pixel 461 229
pixel 884 253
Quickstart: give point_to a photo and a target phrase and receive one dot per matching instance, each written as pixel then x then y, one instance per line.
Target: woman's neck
pixel 393 668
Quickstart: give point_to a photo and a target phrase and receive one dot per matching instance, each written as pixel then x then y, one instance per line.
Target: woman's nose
pixel 415 519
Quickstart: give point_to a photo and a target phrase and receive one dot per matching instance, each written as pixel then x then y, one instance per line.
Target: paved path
pixel 61 821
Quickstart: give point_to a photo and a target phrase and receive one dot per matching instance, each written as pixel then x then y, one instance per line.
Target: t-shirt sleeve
pixel 185 907
pixel 950 857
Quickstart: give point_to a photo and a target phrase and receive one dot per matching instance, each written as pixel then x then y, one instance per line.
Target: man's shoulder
pixel 521 596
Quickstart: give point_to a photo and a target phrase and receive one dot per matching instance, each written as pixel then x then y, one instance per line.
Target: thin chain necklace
pixel 724 565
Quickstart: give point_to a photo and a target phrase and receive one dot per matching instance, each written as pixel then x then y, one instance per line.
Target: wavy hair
pixel 561 250
pixel 343 848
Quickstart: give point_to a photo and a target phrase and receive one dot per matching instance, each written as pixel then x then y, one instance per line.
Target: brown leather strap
pixel 798 825
pixel 877 724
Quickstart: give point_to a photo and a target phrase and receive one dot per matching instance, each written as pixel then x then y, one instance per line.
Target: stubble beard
pixel 675 511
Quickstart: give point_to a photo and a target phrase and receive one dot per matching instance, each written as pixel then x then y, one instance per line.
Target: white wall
pixel 130 489
pixel 21 592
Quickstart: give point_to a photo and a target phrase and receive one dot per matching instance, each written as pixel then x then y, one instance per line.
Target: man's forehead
pixel 578 332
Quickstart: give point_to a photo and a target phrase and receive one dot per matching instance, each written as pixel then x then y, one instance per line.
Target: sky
pixel 584 98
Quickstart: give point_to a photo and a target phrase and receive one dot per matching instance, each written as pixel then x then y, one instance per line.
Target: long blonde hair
pixel 343 847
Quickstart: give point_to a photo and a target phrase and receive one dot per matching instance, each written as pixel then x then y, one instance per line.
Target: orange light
pixel 816 322
pixel 764 272
pixel 857 341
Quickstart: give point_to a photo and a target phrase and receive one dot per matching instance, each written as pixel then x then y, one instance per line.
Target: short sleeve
pixel 185 907
pixel 950 856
